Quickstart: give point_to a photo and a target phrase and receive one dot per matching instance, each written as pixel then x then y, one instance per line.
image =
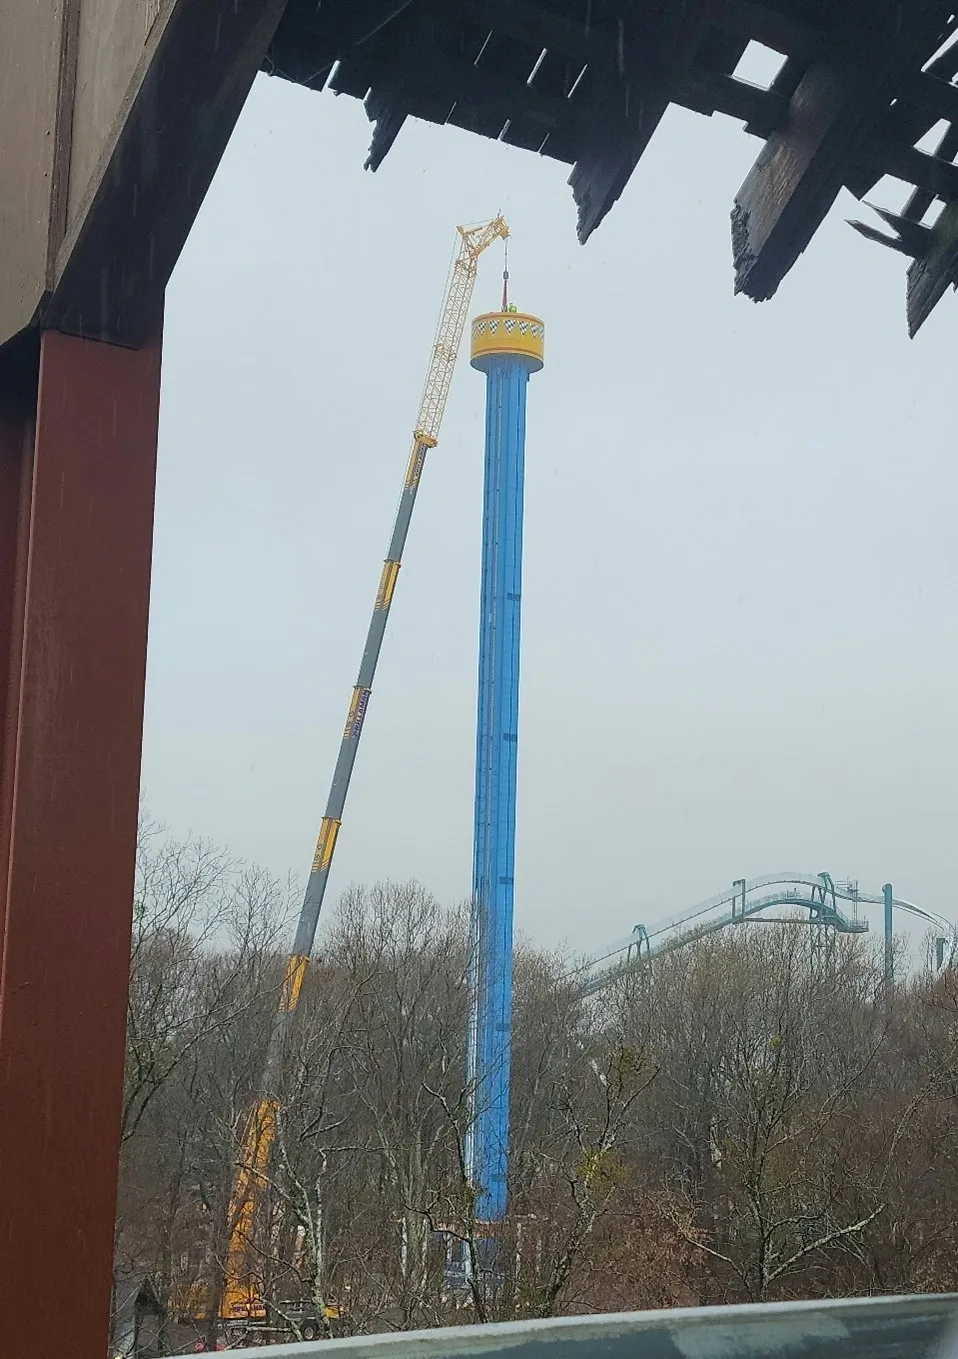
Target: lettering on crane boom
pixel 325 844
pixel 387 584
pixel 357 712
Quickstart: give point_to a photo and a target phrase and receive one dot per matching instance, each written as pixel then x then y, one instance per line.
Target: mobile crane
pixel 242 1303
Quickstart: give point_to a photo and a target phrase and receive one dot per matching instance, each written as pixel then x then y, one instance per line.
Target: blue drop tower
pixel 507 346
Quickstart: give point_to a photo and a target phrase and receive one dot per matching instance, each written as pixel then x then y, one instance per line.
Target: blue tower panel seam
pixel 496 781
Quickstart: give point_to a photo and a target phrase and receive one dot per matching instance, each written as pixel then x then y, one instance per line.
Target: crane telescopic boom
pixel 240 1299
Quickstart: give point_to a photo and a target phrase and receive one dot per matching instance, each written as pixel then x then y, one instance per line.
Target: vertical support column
pixel 739 899
pixel 888 896
pixel 507 365
pixel 78 426
pixel 497 734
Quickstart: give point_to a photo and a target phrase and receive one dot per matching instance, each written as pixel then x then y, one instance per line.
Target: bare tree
pixel 202 969
pixel 729 1123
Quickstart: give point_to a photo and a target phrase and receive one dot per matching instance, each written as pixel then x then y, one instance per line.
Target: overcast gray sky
pixel 739 652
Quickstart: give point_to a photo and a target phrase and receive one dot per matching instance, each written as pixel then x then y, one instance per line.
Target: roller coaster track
pixel 748 899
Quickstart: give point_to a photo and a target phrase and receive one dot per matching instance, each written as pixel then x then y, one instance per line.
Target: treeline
pixel 736 1124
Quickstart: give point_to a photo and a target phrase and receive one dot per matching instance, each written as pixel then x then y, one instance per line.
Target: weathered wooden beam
pixel 311 37
pixel 297 55
pixel 934 97
pixel 937 176
pixel 921 100
pixel 871 233
pixel 709 92
pixel 387 119
pixel 397 91
pixel 610 150
pixel 421 67
pixel 802 167
pixel 931 274
pixel 592 45
pixel 921 200
pixel 766 25
pixel 624 117
pixel 795 180
pixel 454 81
pixel 911 238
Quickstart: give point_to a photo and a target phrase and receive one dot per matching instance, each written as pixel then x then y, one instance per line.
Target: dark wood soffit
pixel 829 130
pixel 819 117
pixel 838 112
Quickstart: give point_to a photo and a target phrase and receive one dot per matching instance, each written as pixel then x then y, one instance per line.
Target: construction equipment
pixel 241 1300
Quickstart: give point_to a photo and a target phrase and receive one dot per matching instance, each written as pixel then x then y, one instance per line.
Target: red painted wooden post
pixel 77 473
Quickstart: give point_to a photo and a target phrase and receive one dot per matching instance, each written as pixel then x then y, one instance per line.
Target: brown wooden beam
pixel 930 276
pixel 911 238
pixel 298 55
pixel 623 117
pixel 532 23
pixel 921 200
pixel 933 99
pixel 803 166
pixel 510 98
pixel 465 85
pixel 423 80
pixel 921 100
pixel 764 24
pixel 937 176
pixel 795 180
pixel 709 92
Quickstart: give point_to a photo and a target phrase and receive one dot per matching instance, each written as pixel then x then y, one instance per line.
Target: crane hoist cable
pixel 240 1299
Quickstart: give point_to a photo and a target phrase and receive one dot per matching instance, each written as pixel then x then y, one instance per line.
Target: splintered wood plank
pixel 398 58
pixel 352 78
pixel 709 92
pixel 387 119
pixel 626 113
pixel 930 275
pixel 795 179
pixel 513 61
pixel 831 118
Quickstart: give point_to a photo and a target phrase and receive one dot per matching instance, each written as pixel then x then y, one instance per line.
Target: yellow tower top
pixel 508 334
